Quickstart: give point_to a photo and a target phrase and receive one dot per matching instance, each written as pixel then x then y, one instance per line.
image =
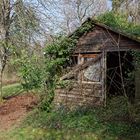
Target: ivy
pixel 57 55
pixel 84 28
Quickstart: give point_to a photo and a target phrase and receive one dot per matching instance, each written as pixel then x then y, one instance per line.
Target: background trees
pixel 130 8
pixel 65 15
pixel 18 23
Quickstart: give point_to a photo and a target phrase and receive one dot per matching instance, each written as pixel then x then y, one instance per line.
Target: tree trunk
pixel 5 23
pixel 1 84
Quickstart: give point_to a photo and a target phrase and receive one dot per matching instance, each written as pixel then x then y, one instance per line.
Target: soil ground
pixel 14 110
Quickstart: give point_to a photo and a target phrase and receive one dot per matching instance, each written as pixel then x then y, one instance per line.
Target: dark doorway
pixel 114 75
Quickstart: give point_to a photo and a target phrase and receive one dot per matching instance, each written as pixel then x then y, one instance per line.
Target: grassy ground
pixel 73 126
pixel 80 124
pixel 11 90
pixel 110 123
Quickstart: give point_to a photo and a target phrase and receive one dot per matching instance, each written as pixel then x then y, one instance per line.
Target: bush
pixel 31 71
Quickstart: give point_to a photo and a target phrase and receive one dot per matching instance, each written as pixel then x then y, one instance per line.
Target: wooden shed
pixel 101 61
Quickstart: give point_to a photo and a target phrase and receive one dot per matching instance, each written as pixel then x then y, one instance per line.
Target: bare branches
pixel 18 23
pixel 130 8
pixel 66 15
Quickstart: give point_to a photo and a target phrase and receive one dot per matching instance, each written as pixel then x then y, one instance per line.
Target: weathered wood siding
pixel 100 39
pixel 85 91
pixel 79 94
pixel 88 90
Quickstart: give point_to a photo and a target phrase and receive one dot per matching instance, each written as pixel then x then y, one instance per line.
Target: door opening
pixel 115 60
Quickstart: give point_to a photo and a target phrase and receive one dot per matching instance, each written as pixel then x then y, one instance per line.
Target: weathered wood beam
pixel 80 67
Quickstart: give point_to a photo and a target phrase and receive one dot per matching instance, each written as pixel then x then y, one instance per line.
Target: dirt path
pixel 14 110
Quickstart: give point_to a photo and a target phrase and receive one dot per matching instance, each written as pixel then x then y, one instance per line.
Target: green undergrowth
pixel 110 123
pixel 16 89
pixel 30 133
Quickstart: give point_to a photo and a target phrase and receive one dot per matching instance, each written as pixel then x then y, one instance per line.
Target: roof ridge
pixel 99 23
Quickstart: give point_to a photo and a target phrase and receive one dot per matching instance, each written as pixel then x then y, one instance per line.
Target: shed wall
pixel 86 91
pixel 94 93
pixel 100 39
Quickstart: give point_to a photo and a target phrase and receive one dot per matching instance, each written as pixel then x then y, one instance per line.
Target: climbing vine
pixel 57 56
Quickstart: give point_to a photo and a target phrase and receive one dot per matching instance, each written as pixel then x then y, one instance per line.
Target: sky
pixel 109 3
pixel 55 15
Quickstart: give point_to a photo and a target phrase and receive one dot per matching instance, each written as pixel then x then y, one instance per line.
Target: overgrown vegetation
pixel 45 72
pixel 110 123
pixel 56 58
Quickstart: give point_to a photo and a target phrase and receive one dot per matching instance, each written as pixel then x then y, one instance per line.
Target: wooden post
pixel 104 77
pixel 137 85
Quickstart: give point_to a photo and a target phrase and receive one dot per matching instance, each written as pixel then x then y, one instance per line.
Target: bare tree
pixel 5 21
pixel 66 15
pixel 80 10
pixel 130 8
pixel 17 23
pixel 116 4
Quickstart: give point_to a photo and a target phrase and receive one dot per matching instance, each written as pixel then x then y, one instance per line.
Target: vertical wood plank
pixel 105 78
pixel 104 70
pixel 137 84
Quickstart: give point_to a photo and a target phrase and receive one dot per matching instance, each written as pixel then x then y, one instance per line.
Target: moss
pixel 84 28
